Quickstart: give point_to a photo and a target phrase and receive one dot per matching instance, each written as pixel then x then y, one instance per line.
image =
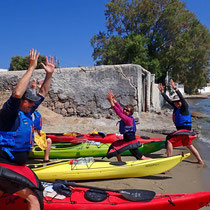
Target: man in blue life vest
pixel 16 130
pixel 182 120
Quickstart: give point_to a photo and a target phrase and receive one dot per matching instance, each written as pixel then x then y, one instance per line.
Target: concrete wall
pixel 82 91
pixel 156 99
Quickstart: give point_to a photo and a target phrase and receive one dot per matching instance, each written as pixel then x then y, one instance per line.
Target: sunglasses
pixel 125 109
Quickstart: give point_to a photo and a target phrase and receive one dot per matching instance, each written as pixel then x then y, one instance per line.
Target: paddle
pixel 129 194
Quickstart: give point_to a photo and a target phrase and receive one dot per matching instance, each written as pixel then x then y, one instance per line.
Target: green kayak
pixel 90 149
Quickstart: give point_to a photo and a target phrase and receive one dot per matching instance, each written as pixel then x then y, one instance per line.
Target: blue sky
pixel 61 28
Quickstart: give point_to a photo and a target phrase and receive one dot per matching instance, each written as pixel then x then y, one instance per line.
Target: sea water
pixel 203 141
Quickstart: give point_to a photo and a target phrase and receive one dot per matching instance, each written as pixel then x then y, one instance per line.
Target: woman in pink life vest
pixel 127 128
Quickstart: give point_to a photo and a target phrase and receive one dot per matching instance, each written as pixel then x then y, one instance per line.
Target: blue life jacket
pixel 127 129
pixel 37 120
pixel 21 139
pixel 180 120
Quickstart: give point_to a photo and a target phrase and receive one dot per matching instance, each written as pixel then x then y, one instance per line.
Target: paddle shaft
pixel 73 184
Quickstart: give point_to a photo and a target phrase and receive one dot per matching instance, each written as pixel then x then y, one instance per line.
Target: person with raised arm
pixel 182 120
pixel 127 128
pixel 17 133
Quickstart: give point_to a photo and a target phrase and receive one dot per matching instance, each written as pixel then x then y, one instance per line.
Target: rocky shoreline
pixel 200 96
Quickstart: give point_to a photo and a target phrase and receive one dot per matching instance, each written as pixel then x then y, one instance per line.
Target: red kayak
pixel 112 137
pixel 108 138
pixel 83 198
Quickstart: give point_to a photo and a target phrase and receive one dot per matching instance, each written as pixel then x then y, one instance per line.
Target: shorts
pixel 181 140
pixel 120 146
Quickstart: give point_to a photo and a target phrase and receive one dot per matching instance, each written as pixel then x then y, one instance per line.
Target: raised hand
pixel 161 87
pixel 110 96
pixel 24 81
pixel 33 58
pixel 50 66
pixel 173 84
pixel 33 84
pixel 40 84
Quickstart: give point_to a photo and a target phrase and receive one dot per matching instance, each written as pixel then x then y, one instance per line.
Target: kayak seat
pixel 99 134
pixel 38 149
pixel 55 134
pixel 79 135
pixel 145 137
pixel 118 163
pixel 102 134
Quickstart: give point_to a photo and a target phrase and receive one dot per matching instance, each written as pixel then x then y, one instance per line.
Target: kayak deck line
pixel 38 165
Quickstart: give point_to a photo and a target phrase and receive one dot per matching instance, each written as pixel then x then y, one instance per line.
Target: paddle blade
pixel 138 195
pixel 95 195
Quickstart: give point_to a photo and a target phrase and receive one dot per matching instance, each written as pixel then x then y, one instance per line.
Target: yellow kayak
pixel 90 170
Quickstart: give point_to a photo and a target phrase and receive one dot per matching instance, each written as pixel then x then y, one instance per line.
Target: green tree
pixel 160 35
pixel 118 50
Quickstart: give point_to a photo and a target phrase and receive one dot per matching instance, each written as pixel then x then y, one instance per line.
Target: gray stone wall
pixel 82 91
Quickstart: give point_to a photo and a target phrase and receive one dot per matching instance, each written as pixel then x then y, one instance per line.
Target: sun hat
pixel 30 94
pixel 175 98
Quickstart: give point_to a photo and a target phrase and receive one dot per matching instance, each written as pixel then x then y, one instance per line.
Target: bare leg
pixel 169 149
pixel 47 151
pixel 195 153
pixel 119 157
pixel 30 197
